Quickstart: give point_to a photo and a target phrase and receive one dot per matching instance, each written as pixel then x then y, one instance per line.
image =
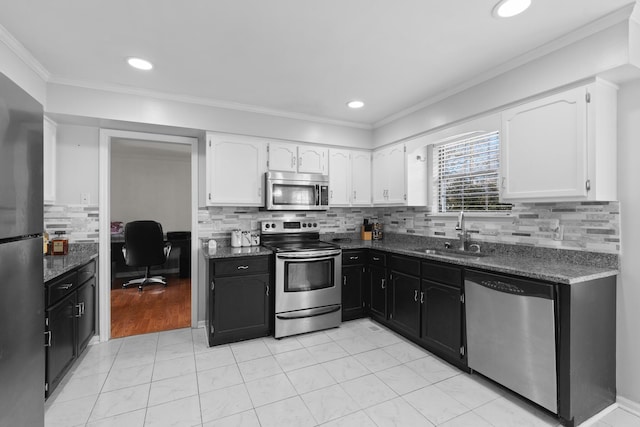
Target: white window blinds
pixel 465 174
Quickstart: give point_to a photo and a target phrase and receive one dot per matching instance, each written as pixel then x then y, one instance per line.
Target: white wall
pixel 104 105
pixel 628 351
pixel 77 163
pixel 155 186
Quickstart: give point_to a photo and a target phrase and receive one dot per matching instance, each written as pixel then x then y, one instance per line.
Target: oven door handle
pixel 310 256
pixel 312 312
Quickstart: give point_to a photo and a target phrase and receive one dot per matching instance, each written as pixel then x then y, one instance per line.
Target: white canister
pixel 255 238
pixel 236 238
pixel 246 238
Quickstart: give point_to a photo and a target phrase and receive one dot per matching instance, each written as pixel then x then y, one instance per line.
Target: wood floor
pixel 156 308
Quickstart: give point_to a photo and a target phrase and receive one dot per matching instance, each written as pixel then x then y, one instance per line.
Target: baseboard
pixel 600 415
pixel 629 405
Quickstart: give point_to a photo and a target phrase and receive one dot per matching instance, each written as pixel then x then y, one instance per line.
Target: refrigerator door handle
pixel 48 341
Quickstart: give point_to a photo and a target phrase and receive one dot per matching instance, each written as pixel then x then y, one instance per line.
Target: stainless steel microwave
pixel 290 191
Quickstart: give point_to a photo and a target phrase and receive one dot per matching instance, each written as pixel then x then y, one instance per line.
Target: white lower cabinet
pixel 349 178
pixel 388 176
pixel 561 147
pixel 235 170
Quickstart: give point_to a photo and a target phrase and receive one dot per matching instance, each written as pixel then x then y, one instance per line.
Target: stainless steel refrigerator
pixel 22 356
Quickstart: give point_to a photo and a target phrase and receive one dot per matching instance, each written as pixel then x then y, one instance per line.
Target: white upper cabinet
pixel 49 160
pixel 360 178
pixel 235 170
pixel 349 178
pixel 288 157
pixel 339 177
pixel 388 176
pixel 561 147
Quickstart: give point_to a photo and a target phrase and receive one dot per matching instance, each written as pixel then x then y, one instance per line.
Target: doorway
pixel 150 180
pixel 147 177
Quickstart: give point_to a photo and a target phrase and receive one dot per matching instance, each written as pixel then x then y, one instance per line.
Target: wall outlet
pixel 558 233
pixel 85 198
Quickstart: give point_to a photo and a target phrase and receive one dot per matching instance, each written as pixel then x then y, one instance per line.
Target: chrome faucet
pixel 463 235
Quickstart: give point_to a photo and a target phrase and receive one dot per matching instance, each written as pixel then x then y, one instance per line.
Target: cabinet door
pixel 378 286
pixel 544 148
pixel 61 333
pixel 404 303
pixel 312 159
pixel 283 157
pixel 339 177
pixel 441 317
pixel 360 178
pixel 388 176
pixel 49 160
pixel 352 301
pixel 396 193
pixel 87 306
pixel 240 161
pixel 240 307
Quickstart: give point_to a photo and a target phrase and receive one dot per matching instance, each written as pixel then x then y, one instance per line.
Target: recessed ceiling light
pixel 509 8
pixel 355 104
pixel 139 63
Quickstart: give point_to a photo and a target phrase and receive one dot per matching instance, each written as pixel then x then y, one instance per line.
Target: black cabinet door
pixel 442 317
pixel 378 294
pixel 352 287
pixel 404 303
pixel 87 307
pixel 61 337
pixel 240 308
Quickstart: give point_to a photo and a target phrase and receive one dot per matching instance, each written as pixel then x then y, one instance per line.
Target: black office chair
pixel 144 246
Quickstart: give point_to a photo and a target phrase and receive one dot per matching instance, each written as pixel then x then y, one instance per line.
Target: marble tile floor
pixel 358 375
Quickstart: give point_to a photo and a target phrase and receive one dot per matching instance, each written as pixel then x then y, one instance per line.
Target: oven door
pixel 307 280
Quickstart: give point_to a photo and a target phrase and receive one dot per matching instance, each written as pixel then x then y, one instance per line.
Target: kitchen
pixel 82 111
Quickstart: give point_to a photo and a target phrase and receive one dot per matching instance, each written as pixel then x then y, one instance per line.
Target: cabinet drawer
pixel 239 266
pixel 405 265
pixel 377 258
pixel 442 273
pixel 353 257
pixel 58 288
pixel 86 272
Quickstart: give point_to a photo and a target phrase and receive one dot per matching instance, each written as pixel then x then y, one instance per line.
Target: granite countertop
pixel 550 265
pixel 79 254
pixel 229 252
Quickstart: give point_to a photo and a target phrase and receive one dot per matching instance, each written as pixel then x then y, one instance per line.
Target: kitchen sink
pixel 450 253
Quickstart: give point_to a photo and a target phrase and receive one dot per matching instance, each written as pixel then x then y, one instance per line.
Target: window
pixel 465 174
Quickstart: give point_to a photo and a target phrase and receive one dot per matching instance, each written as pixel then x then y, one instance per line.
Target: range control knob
pixel 315 224
pixel 304 225
pixel 267 226
pixel 273 226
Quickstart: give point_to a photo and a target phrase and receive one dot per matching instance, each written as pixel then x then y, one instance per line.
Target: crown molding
pixel 21 52
pixel 600 24
pixel 128 90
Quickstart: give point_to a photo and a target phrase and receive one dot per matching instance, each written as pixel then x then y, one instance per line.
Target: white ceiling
pixel 299 57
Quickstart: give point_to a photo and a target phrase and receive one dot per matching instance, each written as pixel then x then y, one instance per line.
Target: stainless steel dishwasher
pixel 511 334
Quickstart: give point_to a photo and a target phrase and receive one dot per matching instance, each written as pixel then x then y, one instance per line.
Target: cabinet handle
pixel 82 304
pixel 48 342
pixel 375 258
pixel 354 194
pixel 503 180
pixel 243 267
pixel 267 293
pixel 79 307
pixel 421 297
pixel 65 286
pixel 384 283
pixel 415 295
pixel 344 280
pixel 354 257
pixel 299 162
pixel 331 194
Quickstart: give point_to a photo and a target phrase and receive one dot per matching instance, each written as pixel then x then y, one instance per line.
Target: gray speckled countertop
pixel 549 265
pixel 79 254
pixel 229 252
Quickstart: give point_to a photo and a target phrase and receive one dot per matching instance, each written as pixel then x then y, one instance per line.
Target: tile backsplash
pixel 79 222
pixel 585 226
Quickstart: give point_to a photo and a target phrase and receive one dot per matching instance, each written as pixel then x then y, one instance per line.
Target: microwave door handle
pixel 317 195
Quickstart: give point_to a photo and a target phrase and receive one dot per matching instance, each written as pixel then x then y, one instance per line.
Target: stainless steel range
pixel 308 296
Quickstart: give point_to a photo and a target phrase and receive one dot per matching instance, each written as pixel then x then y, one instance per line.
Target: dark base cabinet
pixel 240 302
pixel 353 284
pixel 378 282
pixel 70 324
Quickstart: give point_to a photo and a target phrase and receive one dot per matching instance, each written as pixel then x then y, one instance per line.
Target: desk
pixel 180 240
